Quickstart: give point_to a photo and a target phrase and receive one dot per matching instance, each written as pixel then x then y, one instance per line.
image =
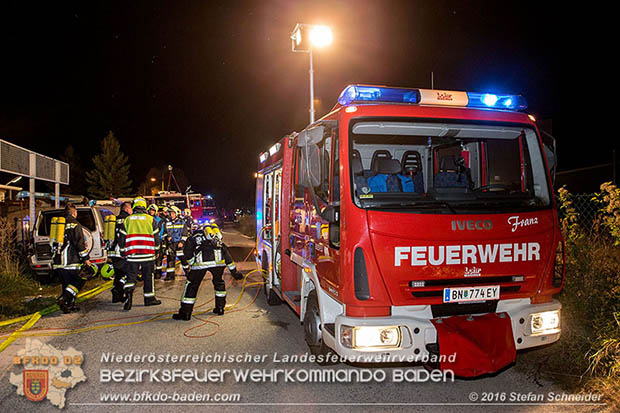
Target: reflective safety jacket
pixel 176 231
pixel 115 250
pixel 139 237
pixel 73 252
pixel 201 253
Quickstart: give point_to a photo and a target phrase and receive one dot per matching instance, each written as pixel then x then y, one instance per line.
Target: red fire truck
pixel 411 223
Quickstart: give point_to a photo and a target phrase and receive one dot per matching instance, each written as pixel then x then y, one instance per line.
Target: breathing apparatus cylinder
pixel 213 235
pixel 60 230
pixel 53 230
pixel 216 231
pixel 109 228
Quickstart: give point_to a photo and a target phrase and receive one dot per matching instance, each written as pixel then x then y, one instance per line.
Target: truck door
pixel 324 235
pixel 272 205
pixel 276 257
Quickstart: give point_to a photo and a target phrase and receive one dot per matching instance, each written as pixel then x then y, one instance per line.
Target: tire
pixel 313 331
pixel 270 294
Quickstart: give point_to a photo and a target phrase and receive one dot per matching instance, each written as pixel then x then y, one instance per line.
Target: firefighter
pixel 203 251
pixel 175 233
pixel 164 214
pixel 189 221
pixel 114 253
pixel 139 240
pixel 159 254
pixel 226 253
pixel 70 257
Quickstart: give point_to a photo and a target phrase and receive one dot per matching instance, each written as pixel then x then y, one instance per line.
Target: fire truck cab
pixel 408 223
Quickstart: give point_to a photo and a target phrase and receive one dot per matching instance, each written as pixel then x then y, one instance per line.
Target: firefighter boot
pixel 128 300
pixel 220 302
pixel 117 296
pixel 66 302
pixel 169 276
pixel 148 301
pixel 185 312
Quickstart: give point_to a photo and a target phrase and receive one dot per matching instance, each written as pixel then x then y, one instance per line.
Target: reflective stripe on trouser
pixel 71 290
pixel 159 258
pixel 71 283
pixel 171 260
pixel 194 279
pixel 146 268
pixel 120 267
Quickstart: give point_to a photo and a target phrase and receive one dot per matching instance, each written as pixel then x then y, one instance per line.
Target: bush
pixel 15 283
pixel 588 353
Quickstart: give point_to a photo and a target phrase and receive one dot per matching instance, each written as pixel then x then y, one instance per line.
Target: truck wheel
pixel 313 331
pixel 272 296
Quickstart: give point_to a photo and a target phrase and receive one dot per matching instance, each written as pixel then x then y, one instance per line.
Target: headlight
pixel 212 220
pixel 370 337
pixel 545 323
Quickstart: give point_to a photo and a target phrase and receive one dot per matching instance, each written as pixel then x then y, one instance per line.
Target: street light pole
pixel 304 38
pixel 311 71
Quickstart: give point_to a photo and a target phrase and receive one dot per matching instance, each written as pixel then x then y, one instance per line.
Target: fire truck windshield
pixel 447 167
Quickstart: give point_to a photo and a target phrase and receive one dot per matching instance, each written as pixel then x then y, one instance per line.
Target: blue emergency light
pixel 490 100
pixel 378 94
pixel 356 93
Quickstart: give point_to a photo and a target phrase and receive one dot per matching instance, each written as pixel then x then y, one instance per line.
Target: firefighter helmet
pixel 107 271
pixel 153 207
pixel 176 210
pixel 88 271
pixel 138 202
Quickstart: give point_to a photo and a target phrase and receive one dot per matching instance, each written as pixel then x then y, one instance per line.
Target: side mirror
pixel 331 214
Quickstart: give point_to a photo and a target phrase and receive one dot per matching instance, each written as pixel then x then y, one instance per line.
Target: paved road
pixel 251 329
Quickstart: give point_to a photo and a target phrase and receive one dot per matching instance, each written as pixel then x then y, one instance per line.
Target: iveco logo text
pixel 467 254
pixel 471 225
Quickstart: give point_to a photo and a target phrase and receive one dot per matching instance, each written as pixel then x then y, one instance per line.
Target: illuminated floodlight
pixel 305 37
pixel 321 36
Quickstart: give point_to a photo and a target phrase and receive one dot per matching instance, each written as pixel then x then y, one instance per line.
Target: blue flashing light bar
pixel 378 94
pixel 356 93
pixel 490 100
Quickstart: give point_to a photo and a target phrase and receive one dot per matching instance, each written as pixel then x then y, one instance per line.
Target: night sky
pixel 207 85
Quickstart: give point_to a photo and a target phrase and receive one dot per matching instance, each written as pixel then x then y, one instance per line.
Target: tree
pixel 110 177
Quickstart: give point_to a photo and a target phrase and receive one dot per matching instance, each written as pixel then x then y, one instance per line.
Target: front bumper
pixel 418 332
